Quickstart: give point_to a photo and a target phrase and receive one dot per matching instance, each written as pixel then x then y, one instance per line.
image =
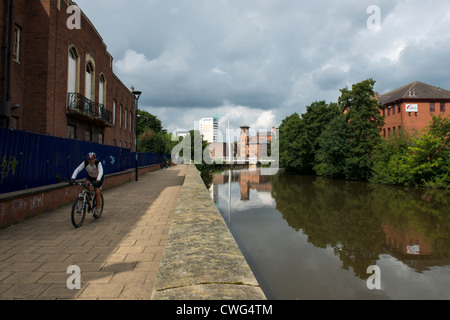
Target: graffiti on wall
pixel 8 166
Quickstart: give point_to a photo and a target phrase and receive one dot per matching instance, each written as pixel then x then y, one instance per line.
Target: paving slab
pixel 201 259
pixel 118 255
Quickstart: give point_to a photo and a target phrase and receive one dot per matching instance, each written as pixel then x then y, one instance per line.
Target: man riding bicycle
pixel 94 170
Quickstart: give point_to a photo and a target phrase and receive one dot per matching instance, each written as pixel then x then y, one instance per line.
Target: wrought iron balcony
pixel 80 106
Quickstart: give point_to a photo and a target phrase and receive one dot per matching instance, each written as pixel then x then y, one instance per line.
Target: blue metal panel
pixel 29 160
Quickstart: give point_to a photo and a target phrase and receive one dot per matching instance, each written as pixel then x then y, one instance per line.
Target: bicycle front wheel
pixel 78 212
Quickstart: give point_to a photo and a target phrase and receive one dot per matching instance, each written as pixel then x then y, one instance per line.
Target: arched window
pixel 101 90
pixel 89 81
pixel 72 71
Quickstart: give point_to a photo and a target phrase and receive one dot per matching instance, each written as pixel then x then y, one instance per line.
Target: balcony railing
pixel 82 106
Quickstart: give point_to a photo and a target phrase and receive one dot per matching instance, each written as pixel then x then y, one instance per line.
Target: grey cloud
pixel 268 54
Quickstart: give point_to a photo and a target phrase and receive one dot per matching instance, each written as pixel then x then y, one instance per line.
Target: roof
pixel 414 90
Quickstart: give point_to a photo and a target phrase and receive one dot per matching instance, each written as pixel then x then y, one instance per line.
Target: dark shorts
pixel 100 184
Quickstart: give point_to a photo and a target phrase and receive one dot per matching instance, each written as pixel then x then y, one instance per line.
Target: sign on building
pixel 411 107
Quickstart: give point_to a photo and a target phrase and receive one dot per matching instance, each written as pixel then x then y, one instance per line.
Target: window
pixel 71 131
pixel 442 106
pixel 101 90
pixel 120 117
pixel 389 111
pixel 16 49
pixel 14 123
pixel 114 111
pixel 89 82
pixel 100 138
pixel 431 106
pixel 399 108
pixel 72 71
pixel 384 112
pixel 126 115
pixel 87 135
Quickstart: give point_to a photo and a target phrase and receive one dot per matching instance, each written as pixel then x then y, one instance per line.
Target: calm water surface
pixel 314 238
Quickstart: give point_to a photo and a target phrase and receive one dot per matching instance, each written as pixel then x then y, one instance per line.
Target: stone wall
pixel 201 260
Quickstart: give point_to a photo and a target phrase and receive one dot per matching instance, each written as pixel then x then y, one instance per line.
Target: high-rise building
pixel 208 127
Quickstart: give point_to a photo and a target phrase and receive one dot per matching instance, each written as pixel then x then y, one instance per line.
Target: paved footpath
pixel 118 255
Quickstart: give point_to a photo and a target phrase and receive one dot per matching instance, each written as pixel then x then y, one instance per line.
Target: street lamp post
pixel 137 95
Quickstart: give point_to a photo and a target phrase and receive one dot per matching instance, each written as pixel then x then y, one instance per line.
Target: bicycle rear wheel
pixel 100 207
pixel 78 212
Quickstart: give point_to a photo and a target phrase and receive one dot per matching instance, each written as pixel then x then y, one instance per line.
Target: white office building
pixel 208 127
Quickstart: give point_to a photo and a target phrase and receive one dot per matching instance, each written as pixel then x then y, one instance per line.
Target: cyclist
pixel 94 169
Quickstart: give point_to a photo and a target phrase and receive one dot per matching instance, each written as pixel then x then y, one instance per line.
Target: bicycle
pixel 86 201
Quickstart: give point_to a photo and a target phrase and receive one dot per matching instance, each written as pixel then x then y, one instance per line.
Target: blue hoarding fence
pixel 29 160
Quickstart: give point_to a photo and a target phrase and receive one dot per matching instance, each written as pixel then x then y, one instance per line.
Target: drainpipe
pixel 401 116
pixel 9 20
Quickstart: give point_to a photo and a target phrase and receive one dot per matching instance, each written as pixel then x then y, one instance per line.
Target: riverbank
pixel 201 259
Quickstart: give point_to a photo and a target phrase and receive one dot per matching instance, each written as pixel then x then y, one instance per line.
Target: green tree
pixel 299 136
pixel 440 127
pixel 334 149
pixel 170 142
pixel 150 141
pixel 318 115
pixel 146 121
pixel 292 144
pixel 429 162
pixel 362 113
pixel 389 165
pixel 423 160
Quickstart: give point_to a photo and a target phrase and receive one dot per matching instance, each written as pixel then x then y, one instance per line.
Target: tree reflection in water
pixel 313 237
pixel 362 220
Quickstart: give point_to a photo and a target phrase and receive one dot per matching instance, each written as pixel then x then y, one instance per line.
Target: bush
pixel 420 161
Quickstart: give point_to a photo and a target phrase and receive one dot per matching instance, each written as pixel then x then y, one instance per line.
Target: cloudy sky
pixel 255 62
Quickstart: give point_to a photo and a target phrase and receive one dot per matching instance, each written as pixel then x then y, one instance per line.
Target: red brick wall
pixel 410 121
pixel 118 131
pixel 40 79
pixel 29 85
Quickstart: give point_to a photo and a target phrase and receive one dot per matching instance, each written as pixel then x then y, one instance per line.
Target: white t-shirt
pixel 94 171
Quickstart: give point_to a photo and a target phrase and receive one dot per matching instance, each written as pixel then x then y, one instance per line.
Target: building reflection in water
pixel 247 179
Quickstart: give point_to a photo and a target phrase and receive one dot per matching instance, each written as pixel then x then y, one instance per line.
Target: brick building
pixel 57 77
pixel 243 146
pixel 412 106
pixel 254 146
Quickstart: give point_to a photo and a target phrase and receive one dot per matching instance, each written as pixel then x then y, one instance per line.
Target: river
pixel 308 237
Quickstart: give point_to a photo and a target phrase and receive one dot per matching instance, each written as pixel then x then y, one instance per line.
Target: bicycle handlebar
pixel 80 183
